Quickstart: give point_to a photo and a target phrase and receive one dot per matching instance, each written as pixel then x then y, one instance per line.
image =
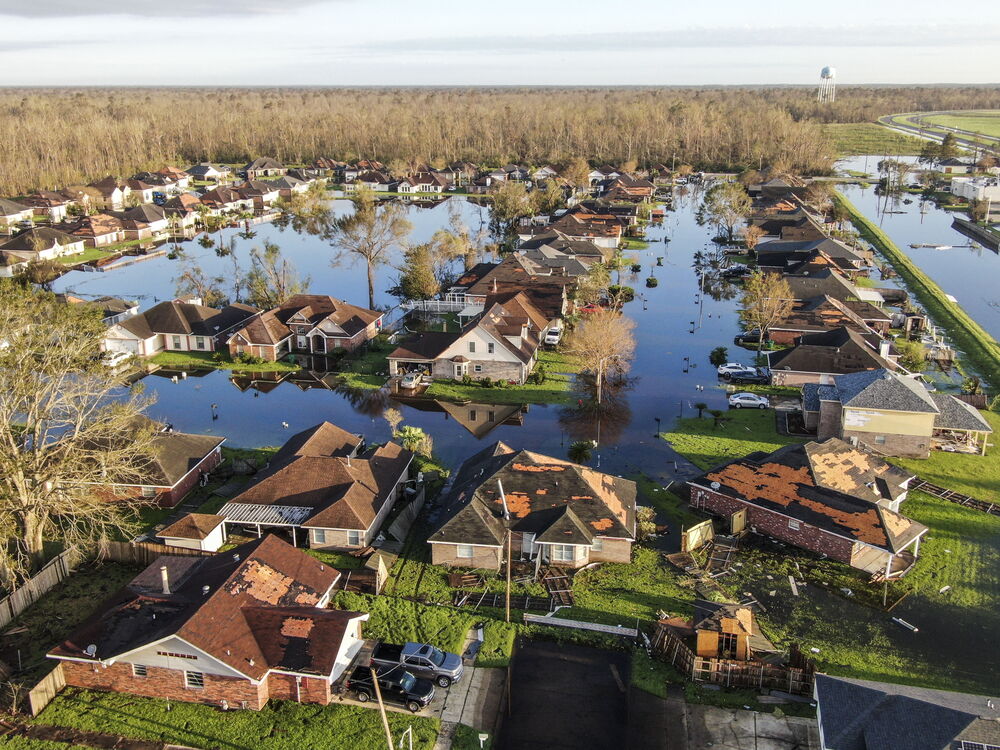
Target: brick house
pixel 324 483
pixel 826 497
pixel 500 343
pixel 819 357
pixel 892 414
pixel 555 512
pixel 176 325
pixel 307 324
pixel 234 630
pixel 178 463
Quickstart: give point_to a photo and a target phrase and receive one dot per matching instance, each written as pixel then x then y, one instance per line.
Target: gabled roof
pixel 36 239
pixel 829 485
pixel 425 346
pixel 174 317
pixel 216 603
pixel 192 526
pixel 955 414
pixel 272 326
pixel 324 439
pixel 882 389
pixel 863 715
pixel 837 351
pixel 264 162
pixel 11 208
pixel 175 454
pixel 558 501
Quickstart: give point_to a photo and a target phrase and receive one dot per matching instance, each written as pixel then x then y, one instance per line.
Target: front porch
pixel 256 519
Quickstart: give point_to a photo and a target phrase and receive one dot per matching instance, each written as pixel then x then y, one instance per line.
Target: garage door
pixel 122 345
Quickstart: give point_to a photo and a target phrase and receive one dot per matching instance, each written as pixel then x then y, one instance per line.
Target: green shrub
pixel 719 356
pixel 651 282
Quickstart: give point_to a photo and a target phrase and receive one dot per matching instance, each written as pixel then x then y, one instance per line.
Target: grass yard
pixel 676 510
pixel 361 382
pixel 467 738
pixel 557 388
pixel 977 476
pixel 87 256
pixel 281 725
pixel 209 360
pixel 742 432
pixel 56 614
pixel 853 139
pixel 399 620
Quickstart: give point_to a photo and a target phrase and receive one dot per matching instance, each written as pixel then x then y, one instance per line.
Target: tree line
pixel 51 138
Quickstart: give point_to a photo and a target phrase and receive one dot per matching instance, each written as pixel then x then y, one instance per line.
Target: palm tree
pixel 579 452
pixel 700 407
pixel 717 416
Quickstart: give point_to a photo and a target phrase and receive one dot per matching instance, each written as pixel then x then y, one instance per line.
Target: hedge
pixel 981 349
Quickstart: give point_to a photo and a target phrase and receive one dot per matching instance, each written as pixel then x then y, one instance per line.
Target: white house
pixel 201 531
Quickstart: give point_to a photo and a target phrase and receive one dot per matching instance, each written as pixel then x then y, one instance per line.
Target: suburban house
pixel 264 166
pixel 176 326
pixel 182 211
pixel 955 165
pixel 893 415
pixel 826 497
pixel 817 315
pixel 222 198
pixel 721 630
pixel 863 715
pixel 141 192
pixel 112 309
pixel 308 324
pixel 818 357
pixel 258 193
pixel 12 214
pixel 628 188
pixel 200 531
pixel 178 464
pixel 544 173
pixel 145 222
pixel 289 185
pixel 207 172
pixel 180 179
pixel 604 230
pixel 548 292
pixel 233 630
pixel 788 256
pixel 423 182
pixel 48 204
pixel 500 343
pixel 377 181
pixel 323 482
pixel 96 230
pixel 39 243
pixel 549 510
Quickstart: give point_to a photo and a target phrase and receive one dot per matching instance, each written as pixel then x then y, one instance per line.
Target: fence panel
pixel 42 694
pixel 143 553
pixel 39 584
pixel 400 527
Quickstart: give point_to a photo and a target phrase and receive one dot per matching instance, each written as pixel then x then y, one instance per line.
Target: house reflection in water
pixel 479 419
pixel 263 382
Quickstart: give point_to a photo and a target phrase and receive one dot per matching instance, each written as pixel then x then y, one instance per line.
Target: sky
pixel 483 42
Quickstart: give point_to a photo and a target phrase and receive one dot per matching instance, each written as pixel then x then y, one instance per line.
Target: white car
pixel 553 336
pixel 748 401
pixel 114 360
pixel 734 368
pixel 410 380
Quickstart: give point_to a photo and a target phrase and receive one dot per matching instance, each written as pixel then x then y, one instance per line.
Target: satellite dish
pixel 91 650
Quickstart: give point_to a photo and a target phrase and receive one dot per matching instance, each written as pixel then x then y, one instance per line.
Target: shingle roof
pixel 185 318
pixel 216 605
pixel 955 414
pixel 272 326
pixel 829 485
pixel 264 162
pixel 840 350
pixel 552 498
pixel 882 389
pixel 31 240
pixel 863 715
pixel 425 346
pixel 192 526
pixel 10 208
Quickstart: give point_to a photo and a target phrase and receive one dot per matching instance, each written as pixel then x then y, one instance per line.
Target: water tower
pixel 827 85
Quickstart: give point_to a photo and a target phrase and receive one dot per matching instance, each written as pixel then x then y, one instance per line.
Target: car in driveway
pixel 756 376
pixel 410 381
pixel 734 368
pixel 422 660
pixel 748 337
pixel 395 685
pixel 748 401
pixel 553 336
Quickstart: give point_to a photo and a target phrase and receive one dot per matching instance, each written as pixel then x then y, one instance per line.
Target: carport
pixel 260 516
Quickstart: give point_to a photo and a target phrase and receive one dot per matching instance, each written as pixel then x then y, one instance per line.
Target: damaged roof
pixel 252 608
pixel 829 485
pixel 841 350
pixel 558 501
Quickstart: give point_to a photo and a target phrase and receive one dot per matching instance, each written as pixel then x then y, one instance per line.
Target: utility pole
pixel 381 708
pixel 507 603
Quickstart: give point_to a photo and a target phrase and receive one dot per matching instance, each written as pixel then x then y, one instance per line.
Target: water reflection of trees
pixel 709 264
pixel 604 422
pixel 371 402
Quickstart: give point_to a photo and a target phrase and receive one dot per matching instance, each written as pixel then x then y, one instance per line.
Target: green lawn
pixel 399 620
pixel 221 362
pixel 87 256
pixel 977 476
pixel 984 122
pixel 467 738
pixel 742 432
pixel 281 725
pixel 556 389
pixel 670 505
pixel 852 139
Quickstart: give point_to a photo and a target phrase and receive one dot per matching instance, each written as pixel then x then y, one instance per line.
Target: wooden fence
pixel 42 694
pixel 41 583
pixel 401 524
pixel 796 677
pixel 143 553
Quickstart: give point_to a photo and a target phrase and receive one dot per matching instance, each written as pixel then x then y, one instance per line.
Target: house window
pixel 194 679
pixel 199 342
pixel 138 670
pixel 793 524
pixel 491 416
pixel 464 550
pixel 563 552
pixel 477 368
pixel 149 492
pixel 472 415
pixel 472 347
pixel 597 545
pixel 319 536
pixel 354 538
pixel 880 440
pixel 491 348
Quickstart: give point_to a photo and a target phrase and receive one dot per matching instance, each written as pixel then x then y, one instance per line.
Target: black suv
pixel 396 686
pixel 748 337
pixel 760 376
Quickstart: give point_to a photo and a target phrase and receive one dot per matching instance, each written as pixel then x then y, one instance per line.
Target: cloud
pixel 148 8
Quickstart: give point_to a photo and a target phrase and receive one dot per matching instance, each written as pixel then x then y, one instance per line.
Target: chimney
pixel 165 579
pixel 883 348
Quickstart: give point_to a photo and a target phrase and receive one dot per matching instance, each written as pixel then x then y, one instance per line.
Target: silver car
pixel 748 401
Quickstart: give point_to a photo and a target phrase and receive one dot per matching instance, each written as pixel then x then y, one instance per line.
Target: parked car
pixel 410 380
pixel 748 337
pixel 395 685
pixel 731 368
pixel 748 401
pixel 114 360
pixel 759 376
pixel 421 659
pixel 553 336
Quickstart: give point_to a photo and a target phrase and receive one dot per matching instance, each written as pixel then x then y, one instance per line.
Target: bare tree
pixel 394 417
pixel 725 206
pixel 601 342
pixel 66 431
pixel 192 280
pixel 457 241
pixel 370 234
pixel 751 236
pixel 272 279
pixel 767 298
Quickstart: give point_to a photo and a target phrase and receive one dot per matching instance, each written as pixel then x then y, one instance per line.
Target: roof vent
pixel 251 662
pixel 715 485
pixel 91 650
pixel 205 590
pixel 236 557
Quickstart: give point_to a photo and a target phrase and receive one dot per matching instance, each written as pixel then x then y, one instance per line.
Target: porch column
pixel 258 531
pixel 888 565
pixel 294 540
pixel 916 547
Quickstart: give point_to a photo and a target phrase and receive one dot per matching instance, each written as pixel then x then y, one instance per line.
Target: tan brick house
pixel 307 324
pixel 233 630
pixel 826 497
pixel 555 511
pixel 324 483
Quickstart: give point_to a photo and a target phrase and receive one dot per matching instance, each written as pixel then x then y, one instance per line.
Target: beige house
pixel 40 243
pixel 176 325
pixel 201 531
pixel 549 510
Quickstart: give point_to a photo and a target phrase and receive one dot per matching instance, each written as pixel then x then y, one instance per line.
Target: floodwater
pixel 663 384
